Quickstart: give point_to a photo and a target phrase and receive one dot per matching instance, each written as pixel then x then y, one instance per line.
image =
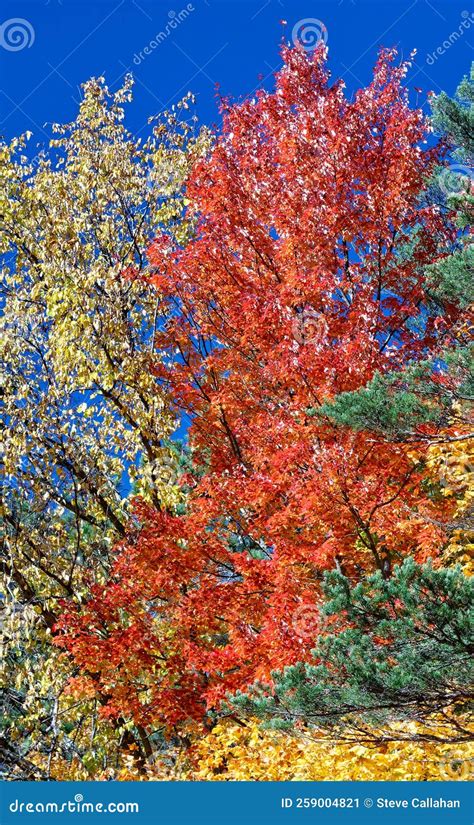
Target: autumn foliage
pixel 305 277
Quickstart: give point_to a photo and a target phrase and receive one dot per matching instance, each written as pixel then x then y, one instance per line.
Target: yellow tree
pixel 83 419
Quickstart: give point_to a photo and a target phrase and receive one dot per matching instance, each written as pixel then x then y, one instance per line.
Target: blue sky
pixel 229 42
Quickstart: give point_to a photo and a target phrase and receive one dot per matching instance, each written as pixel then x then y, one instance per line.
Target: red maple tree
pixel 305 277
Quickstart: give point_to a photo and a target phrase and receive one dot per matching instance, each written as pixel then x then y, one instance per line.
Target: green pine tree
pixel 396 650
pixel 454 119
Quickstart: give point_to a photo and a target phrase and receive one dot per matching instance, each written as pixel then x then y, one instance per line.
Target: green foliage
pixel 393 650
pixel 452 278
pixel 395 405
pixel 455 118
pixel 379 407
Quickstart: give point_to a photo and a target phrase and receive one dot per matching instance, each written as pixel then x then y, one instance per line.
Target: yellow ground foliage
pixel 234 752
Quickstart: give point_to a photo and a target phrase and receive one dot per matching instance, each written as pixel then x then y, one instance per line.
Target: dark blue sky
pixel 228 42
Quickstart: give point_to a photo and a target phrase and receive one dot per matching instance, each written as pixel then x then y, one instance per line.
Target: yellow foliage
pixel 234 752
pixel 451 464
pixel 84 418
